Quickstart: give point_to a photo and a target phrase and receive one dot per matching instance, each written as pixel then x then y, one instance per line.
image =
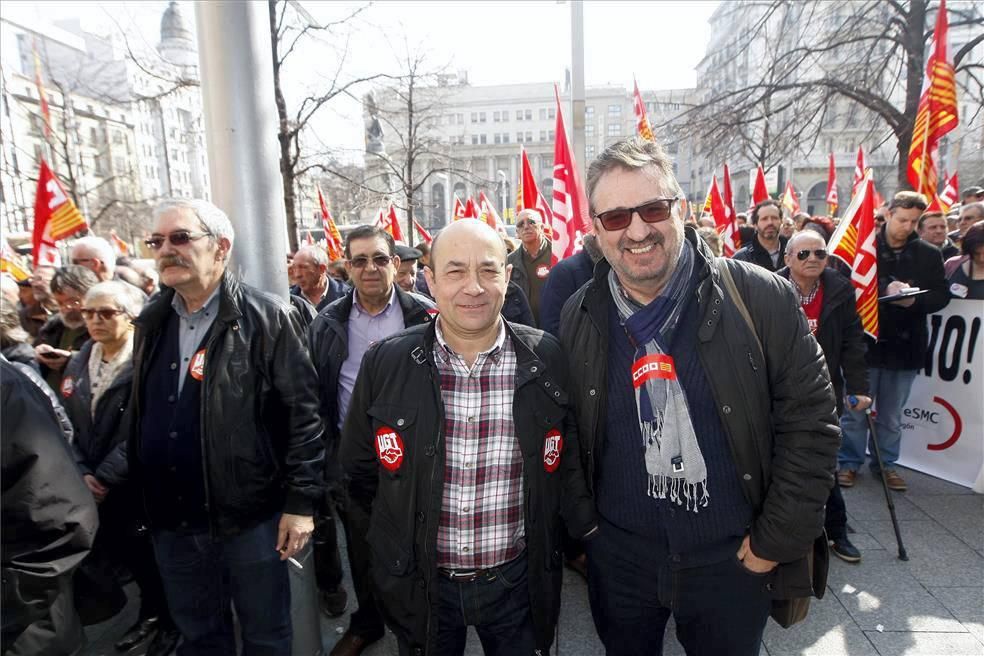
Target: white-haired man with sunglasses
pixel 531 261
pixel 225 438
pixel 706 422
pixel 827 299
pixel 340 335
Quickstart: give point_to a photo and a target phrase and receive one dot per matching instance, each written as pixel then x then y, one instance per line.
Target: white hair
pixel 127 297
pixel 317 254
pixel 214 220
pixel 102 249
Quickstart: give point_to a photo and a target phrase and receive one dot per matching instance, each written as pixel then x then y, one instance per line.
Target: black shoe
pixel 843 549
pixel 164 642
pixel 333 603
pixel 137 634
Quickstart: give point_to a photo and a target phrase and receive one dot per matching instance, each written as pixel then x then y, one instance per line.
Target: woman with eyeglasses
pixel 96 393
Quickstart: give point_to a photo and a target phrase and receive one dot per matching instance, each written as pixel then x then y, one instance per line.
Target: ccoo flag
pixel 570 205
pixel 55 218
pixel 761 190
pixel 854 243
pixel 937 113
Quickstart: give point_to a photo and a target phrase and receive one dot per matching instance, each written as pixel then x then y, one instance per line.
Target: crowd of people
pixel 674 425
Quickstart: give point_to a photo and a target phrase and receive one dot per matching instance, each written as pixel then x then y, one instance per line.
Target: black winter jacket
pixel 260 429
pixel 398 387
pixel 328 339
pixel 902 335
pixel 841 336
pixel 49 523
pixel 778 414
pixel 754 252
pixel 516 307
pixel 100 439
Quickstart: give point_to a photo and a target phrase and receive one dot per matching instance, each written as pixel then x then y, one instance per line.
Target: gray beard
pixel 70 323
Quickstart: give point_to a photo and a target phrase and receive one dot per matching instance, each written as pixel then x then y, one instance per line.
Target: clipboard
pixel 899 297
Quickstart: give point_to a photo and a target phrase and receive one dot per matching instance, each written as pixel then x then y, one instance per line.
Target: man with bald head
pixel 827 299
pixel 461 437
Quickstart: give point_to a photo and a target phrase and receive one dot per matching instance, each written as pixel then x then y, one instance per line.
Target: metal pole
pixel 241 132
pixel 577 82
pixel 888 495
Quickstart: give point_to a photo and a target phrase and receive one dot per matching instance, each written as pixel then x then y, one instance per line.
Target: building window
pixel 481 117
pixel 505 116
pixel 519 137
pixel 519 115
pixel 529 136
pixel 589 130
pixel 589 152
pixel 543 135
pixel 461 119
pixel 614 129
pixel 550 135
pixel 543 113
pixel 505 137
pixel 474 117
pixel 495 117
pixel 498 138
pixel 474 139
pixel 552 112
pixel 589 112
pixel 528 114
pixel 481 139
pixel 614 110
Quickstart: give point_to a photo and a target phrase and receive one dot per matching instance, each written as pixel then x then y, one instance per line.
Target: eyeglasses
pixel 69 305
pixel 526 222
pixel 378 260
pixel 105 314
pixel 820 254
pixel 177 238
pixel 655 211
pixel 907 204
pixel 82 260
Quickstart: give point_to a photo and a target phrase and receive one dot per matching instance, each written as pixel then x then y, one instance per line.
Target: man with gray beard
pixel 65 331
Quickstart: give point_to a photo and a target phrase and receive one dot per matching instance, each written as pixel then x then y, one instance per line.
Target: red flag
pixel 937 113
pixel 55 218
pixel 725 225
pixel 832 187
pixel 854 243
pixel 335 246
pixel 532 196
pixel 570 206
pixel 761 191
pixel 948 197
pixel 643 127
pixel 471 209
pixel 381 219
pixel 424 235
pixel 458 209
pixel 729 201
pixel 392 223
pixel 789 200
pixel 491 216
pixel 860 166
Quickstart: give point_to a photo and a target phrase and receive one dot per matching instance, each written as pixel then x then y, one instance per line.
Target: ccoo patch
pixel 68 387
pixel 197 366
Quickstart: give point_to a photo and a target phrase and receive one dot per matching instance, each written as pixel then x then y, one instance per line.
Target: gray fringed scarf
pixel 673 458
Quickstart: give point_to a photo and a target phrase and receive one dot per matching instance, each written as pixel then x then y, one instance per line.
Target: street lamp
pixel 502 189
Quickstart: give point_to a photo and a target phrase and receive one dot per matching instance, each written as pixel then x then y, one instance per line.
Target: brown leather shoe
pixel 894 481
pixel 845 477
pixel 351 644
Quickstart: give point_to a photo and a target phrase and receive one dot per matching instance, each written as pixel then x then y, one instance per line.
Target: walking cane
pixel 881 468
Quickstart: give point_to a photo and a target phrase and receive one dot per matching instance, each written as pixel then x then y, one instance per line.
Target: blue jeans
pixel 498 606
pixel 203 577
pixel 719 608
pixel 889 390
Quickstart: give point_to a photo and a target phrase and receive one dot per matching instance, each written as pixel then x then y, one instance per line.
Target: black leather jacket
pixel 778 414
pixel 100 437
pixel 260 430
pixel 398 386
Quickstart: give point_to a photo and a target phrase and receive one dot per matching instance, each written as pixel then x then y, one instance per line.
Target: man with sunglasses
pixel 767 247
pixel 706 423
pixel 372 310
pixel 904 260
pixel 531 261
pixel 827 299
pixel 225 442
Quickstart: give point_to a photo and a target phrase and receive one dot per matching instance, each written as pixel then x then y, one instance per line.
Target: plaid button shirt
pixel 481 522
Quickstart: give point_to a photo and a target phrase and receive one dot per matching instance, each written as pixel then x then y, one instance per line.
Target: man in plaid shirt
pixel 461 437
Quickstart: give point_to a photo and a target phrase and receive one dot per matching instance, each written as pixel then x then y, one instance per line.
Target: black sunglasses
pixel 105 314
pixel 655 211
pixel 177 238
pixel 526 222
pixel 379 260
pixel 820 254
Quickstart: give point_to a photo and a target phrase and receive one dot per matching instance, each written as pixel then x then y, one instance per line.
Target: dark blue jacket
pixel 565 278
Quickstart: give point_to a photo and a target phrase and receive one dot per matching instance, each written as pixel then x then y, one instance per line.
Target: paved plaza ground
pixel 931 605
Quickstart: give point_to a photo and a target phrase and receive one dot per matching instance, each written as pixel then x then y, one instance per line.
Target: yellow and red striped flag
pixel 42 96
pixel 333 237
pixel 10 262
pixel 854 243
pixel 937 113
pixel 55 217
pixel 121 247
pixel 643 127
pixel 831 187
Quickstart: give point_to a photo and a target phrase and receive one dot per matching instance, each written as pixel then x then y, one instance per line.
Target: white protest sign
pixel 943 420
